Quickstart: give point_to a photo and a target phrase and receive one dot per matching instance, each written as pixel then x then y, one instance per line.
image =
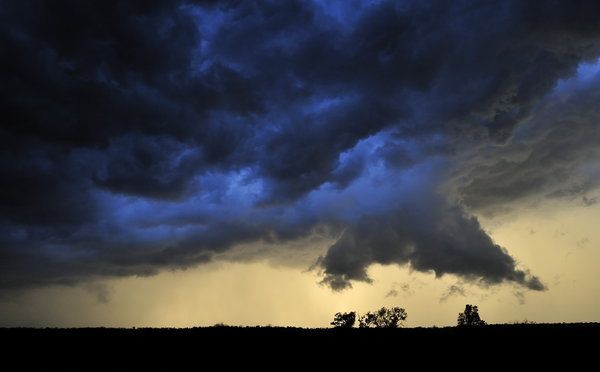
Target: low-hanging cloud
pixel 430 236
pixel 142 136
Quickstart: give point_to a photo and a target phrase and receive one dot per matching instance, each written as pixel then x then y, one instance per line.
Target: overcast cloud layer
pixel 141 136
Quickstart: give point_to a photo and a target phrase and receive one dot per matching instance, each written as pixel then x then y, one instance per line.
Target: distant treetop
pixel 470 317
pixel 344 320
pixel 383 318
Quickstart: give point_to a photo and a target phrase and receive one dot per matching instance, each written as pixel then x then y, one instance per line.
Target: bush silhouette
pixel 344 320
pixel 470 317
pixel 383 318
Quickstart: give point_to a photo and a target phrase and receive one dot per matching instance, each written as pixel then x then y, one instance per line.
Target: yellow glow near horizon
pixel 558 243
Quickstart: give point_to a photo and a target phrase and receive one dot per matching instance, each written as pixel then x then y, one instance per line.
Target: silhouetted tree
pixel 383 318
pixel 344 320
pixel 470 317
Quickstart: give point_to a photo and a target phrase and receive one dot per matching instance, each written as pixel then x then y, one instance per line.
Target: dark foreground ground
pixel 284 348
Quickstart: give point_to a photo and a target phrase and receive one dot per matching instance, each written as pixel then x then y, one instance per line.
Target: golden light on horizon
pixel 558 243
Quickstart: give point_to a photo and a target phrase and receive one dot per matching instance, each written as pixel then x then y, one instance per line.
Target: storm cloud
pixel 143 136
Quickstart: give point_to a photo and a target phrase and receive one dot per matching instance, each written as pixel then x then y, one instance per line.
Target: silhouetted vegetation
pixel 525 322
pixel 470 317
pixel 379 332
pixel 383 318
pixel 258 344
pixel 344 320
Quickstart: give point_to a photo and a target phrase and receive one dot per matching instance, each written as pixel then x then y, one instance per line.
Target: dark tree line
pixel 382 318
pixel 393 318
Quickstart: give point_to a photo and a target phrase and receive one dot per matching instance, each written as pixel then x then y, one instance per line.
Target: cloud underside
pixel 443 240
pixel 140 136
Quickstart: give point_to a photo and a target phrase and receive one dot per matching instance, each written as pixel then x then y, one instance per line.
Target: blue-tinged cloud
pixel 141 136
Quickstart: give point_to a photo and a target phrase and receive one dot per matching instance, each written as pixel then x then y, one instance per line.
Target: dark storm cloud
pixel 429 235
pixel 139 136
pixel 554 155
pixel 149 167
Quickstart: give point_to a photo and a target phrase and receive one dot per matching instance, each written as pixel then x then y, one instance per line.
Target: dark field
pixel 537 343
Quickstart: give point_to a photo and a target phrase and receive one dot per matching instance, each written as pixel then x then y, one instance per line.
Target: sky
pixel 187 163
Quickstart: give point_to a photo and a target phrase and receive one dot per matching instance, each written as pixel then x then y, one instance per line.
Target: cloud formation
pixel 552 155
pixel 453 290
pixel 145 136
